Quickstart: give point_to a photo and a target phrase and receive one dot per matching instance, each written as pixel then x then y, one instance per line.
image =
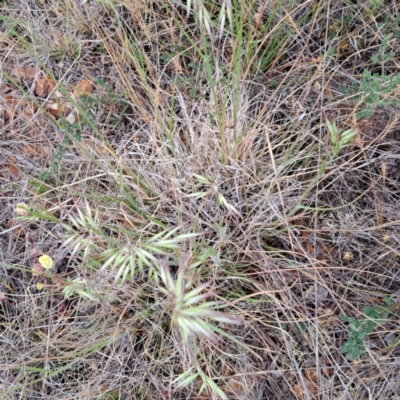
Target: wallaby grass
pixel 206 240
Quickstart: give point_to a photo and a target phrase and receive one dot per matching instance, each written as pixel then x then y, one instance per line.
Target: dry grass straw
pixel 176 190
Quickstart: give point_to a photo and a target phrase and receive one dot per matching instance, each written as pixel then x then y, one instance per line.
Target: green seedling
pixel 339 139
pixel 360 328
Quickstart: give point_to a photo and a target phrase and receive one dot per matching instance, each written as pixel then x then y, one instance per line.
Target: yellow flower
pixel 39 286
pixel 46 261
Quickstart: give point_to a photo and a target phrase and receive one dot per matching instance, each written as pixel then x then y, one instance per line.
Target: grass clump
pixel 214 205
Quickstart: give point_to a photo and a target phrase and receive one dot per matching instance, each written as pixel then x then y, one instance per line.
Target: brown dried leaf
pixel 17 231
pixel 94 145
pixel 330 250
pixel 12 98
pixel 37 269
pixel 5 89
pixel 83 88
pixel 14 169
pixel 44 87
pixel 30 109
pixel 328 92
pixel 310 248
pixel 25 72
pixel 10 112
pixel 35 253
pixel 298 391
pixel 24 102
pixel 311 375
pixel 177 65
pixel 311 388
pixel 257 18
pixel 31 151
pixel 72 118
pixel 233 386
pixel 58 109
pixel 327 371
pixel 314 390
pixel 16 103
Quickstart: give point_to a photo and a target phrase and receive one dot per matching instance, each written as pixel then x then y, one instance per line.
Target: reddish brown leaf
pixel 5 89
pixel 257 18
pixel 298 391
pixel 311 388
pixel 327 371
pixel 59 108
pixel 25 72
pixel 177 65
pixel 310 248
pixel 83 88
pixel 17 231
pixel 31 151
pixel 94 145
pixel 37 269
pixel 328 249
pixel 30 108
pixel 11 98
pixel 72 118
pixel 10 112
pixel 14 169
pixel 35 253
pixel 44 86
pixel 311 375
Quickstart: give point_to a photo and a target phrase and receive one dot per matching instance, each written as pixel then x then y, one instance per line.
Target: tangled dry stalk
pixel 177 163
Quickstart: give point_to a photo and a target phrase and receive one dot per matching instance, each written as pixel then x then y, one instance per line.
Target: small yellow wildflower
pixel 46 261
pixel 39 286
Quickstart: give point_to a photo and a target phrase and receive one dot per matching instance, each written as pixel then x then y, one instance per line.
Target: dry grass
pixel 179 170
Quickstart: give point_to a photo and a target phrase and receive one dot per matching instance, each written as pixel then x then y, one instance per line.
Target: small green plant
pixel 213 188
pixel 376 89
pixel 339 139
pixel 79 287
pixel 90 105
pixel 187 377
pixel 383 56
pixel 54 169
pixel 375 4
pixel 354 347
pixel 190 311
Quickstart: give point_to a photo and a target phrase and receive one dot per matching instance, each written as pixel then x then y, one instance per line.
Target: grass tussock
pixel 199 200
